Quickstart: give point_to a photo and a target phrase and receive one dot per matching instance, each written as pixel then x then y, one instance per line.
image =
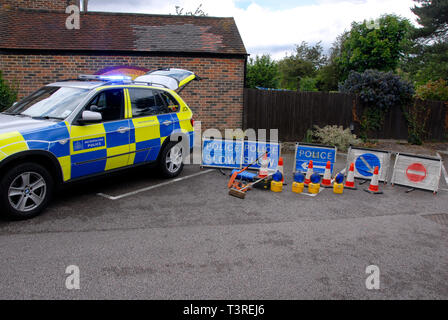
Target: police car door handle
pixel 167 122
pixel 123 129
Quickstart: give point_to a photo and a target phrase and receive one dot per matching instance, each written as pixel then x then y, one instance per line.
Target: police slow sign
pixel 222 153
pixel 320 155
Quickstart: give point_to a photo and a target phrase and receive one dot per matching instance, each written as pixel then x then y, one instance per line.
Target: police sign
pixel 236 154
pixel 222 153
pixel 254 149
pixel 319 154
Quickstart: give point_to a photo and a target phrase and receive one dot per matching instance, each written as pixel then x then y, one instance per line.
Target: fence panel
pixel 293 113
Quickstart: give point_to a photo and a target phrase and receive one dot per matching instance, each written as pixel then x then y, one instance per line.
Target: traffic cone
pixel 374 188
pixel 326 181
pixel 309 172
pixel 280 168
pixel 350 182
pixel 263 172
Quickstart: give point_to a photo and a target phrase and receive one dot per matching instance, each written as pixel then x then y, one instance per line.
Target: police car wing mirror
pixel 14 103
pixel 91 117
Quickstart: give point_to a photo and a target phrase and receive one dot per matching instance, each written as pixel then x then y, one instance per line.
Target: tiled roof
pixel 45 30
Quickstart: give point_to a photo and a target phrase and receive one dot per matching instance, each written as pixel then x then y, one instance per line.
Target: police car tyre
pixel 25 191
pixel 171 160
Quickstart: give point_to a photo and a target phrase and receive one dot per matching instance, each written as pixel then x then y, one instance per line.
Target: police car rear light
pixel 192 122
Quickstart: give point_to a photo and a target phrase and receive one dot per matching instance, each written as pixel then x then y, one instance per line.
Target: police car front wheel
pixel 171 160
pixel 25 191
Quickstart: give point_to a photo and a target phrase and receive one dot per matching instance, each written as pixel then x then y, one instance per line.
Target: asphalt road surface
pixel 190 240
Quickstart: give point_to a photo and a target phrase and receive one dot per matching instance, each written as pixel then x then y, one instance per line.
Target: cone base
pixel 351 188
pixel 326 186
pixel 373 192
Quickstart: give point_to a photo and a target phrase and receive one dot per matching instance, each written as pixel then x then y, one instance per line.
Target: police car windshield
pixel 49 103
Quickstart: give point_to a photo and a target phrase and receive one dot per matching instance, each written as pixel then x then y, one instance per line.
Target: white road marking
pixel 152 187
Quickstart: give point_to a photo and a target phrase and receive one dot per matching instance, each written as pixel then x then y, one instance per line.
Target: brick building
pixel 36 48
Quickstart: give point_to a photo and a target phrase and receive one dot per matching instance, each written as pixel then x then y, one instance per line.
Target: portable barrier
pixel 366 160
pixel 420 172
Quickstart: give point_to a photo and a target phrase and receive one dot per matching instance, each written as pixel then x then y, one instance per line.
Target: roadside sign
pixel 421 172
pixel 416 172
pixel 222 153
pixel 254 149
pixel 319 154
pixel 366 160
pixel 236 154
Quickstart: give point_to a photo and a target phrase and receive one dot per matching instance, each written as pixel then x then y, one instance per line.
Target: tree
pixel 329 76
pixel 379 92
pixel 8 93
pixel 262 72
pixel 428 56
pixel 367 47
pixel 303 63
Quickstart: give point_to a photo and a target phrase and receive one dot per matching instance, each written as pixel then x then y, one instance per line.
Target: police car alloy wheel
pixel 26 190
pixel 171 160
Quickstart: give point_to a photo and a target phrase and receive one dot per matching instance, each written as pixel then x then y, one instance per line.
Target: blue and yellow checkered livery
pixel 84 150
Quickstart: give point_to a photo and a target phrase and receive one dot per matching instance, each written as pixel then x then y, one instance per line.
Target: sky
pixel 274 27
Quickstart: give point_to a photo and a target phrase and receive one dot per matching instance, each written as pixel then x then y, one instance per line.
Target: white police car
pixel 74 129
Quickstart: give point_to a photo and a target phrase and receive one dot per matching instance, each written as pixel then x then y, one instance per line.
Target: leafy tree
pixel 330 74
pixel 303 63
pixel 8 93
pixel 262 72
pixel 308 84
pixel 428 56
pixel 378 91
pixel 367 47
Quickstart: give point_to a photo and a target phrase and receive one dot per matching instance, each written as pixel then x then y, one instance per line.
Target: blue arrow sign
pixel 319 155
pixel 365 164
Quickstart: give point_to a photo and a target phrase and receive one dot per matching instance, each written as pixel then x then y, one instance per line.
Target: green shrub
pixel 433 90
pixel 336 136
pixel 8 94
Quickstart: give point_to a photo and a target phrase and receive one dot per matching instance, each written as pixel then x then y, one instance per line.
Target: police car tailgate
pixel 170 78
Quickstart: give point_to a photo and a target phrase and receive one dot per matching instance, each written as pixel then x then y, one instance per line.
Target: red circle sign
pixel 416 172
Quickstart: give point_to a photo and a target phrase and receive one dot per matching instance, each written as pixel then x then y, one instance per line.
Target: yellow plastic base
pixel 298 187
pixel 338 188
pixel 276 186
pixel 314 188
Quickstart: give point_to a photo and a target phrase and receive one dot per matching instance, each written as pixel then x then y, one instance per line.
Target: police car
pixel 90 126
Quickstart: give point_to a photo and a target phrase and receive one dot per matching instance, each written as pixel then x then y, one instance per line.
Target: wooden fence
pixel 293 113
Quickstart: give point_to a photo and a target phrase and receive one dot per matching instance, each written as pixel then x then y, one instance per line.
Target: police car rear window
pixel 146 102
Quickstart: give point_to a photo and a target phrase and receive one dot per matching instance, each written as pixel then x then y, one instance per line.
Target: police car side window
pixel 146 102
pixel 110 103
pixel 169 100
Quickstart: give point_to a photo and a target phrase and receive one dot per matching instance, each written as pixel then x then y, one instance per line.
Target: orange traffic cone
pixel 263 172
pixel 374 188
pixel 309 173
pixel 350 182
pixel 326 181
pixel 280 168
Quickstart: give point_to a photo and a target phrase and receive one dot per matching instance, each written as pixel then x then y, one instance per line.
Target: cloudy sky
pixel 274 26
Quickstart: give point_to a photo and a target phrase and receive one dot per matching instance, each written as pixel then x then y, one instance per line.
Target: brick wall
pixel 40 4
pixel 217 101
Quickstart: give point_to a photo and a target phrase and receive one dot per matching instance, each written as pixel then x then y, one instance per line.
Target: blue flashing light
pixel 315 178
pixel 299 177
pixel 116 78
pixel 277 176
pixel 339 178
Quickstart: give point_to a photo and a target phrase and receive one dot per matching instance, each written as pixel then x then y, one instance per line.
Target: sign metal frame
pixel 436 189
pixel 384 170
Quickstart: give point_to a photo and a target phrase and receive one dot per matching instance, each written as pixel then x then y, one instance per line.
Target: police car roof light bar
pixel 111 78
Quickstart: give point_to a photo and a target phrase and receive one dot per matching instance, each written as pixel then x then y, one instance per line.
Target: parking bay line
pixel 151 187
